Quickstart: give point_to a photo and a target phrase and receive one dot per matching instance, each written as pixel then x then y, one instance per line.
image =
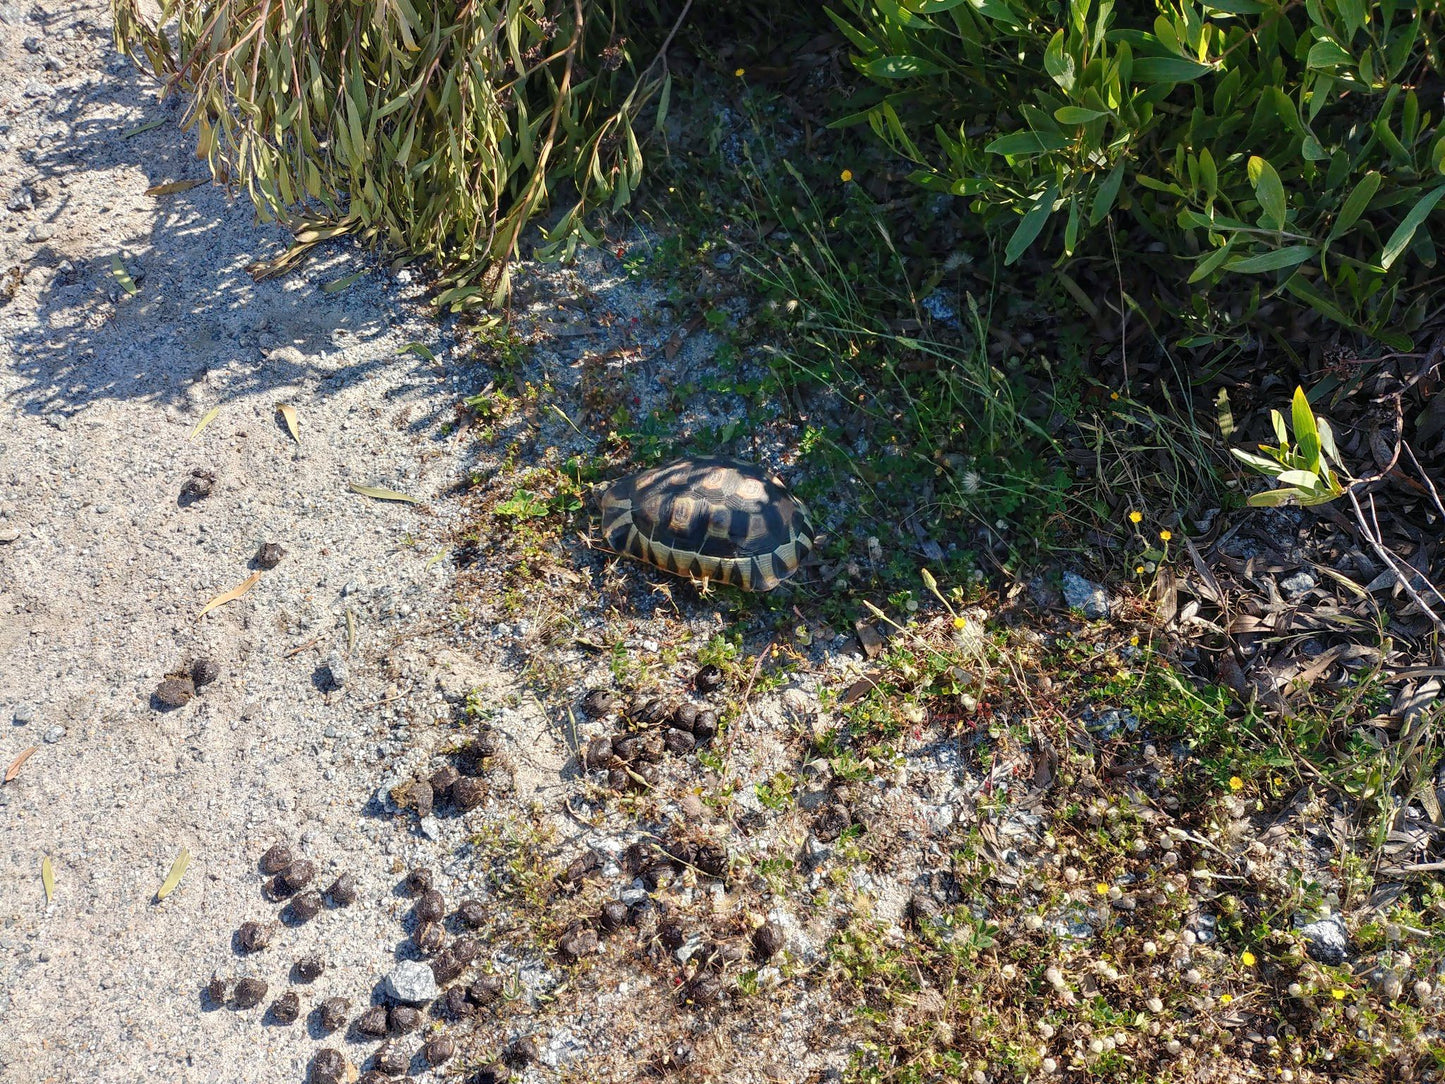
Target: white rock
pixel 411 982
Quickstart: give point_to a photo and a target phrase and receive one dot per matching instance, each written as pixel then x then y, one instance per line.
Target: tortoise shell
pixel 709 519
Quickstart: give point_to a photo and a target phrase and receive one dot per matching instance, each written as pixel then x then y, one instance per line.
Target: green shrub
pixel 1239 151
pixel 435 127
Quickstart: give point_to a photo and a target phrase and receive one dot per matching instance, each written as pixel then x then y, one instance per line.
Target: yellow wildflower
pixel 1236 783
pixel 1225 999
pixel 1247 958
pixel 1101 888
pixel 1339 994
pixel 1135 517
pixel 740 72
pixel 1166 535
pixel 846 175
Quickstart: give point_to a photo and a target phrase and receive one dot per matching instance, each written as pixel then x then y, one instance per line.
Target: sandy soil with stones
pixel 103 572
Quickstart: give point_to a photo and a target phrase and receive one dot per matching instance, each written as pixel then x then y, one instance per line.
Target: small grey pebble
pixel 338 669
pixel 54 734
pixel 24 714
pixel 102 509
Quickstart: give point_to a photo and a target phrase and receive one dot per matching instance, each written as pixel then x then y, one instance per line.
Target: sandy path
pixel 103 573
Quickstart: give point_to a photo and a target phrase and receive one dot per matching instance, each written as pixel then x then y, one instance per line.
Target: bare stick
pixel 1392 561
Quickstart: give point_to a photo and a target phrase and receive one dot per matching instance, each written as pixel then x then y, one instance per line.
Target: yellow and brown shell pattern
pixel 709 519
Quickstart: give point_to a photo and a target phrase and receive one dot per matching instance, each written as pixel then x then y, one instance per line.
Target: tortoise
pixel 709 519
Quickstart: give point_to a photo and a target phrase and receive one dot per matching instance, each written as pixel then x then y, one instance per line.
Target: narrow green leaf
pixel 900 67
pixel 47 878
pixel 1269 191
pixel 1273 260
pixel 1224 414
pixel 1327 54
pixel 1058 63
pixel 1405 232
pixel 1168 69
pixel 1031 224
pixel 1356 204
pixel 1027 143
pixel 1075 114
pixel 1258 462
pixel 1211 262
pixel 1108 192
pixel 1306 435
pixel 1328 451
pixel 1208 174
pixel 1301 288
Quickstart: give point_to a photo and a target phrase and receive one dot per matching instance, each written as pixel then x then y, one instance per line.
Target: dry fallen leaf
pixel 14 769
pixel 122 276
pixel 47 878
pixel 143 128
pixel 421 350
pixel 383 494
pixel 336 286
pixel 288 412
pixel 207 420
pixel 173 878
pixel 232 595
pixel 172 186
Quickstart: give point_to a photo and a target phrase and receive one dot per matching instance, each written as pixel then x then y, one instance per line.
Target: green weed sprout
pixel 1304 468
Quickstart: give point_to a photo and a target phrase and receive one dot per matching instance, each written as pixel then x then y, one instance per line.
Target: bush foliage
pixel 436 127
pixel 1234 159
pixel 1237 151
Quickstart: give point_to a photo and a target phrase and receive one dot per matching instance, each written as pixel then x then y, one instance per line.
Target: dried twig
pixel 1376 543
